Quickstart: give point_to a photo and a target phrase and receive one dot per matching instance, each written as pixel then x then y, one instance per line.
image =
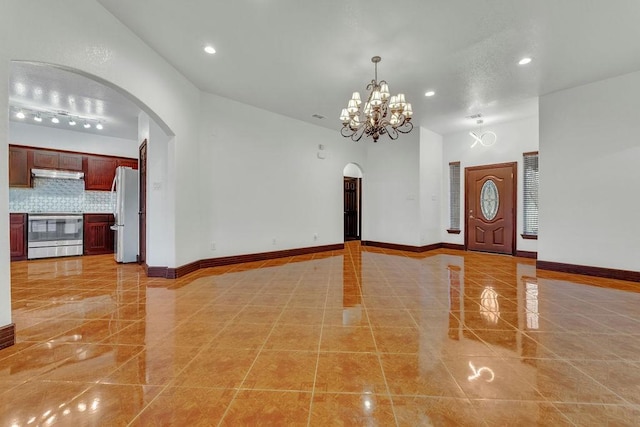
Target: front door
pixel 351 208
pixel 491 208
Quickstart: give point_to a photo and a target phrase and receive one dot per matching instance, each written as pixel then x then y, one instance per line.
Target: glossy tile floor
pixel 356 337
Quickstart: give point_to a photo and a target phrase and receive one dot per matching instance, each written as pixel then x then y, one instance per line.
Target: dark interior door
pixel 351 211
pixel 491 208
pixel 143 202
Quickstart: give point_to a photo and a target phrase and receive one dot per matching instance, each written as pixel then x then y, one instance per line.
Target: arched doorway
pixel 352 192
pixel 82 113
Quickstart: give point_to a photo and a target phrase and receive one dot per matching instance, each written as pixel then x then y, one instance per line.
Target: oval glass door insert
pixel 489 200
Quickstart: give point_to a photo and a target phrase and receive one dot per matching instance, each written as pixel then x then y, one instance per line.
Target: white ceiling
pixel 300 58
pixel 48 90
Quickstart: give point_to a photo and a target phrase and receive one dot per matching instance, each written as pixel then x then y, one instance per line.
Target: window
pixel 531 176
pixel 454 198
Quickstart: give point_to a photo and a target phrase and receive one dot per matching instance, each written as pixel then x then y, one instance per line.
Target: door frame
pixel 514 217
pixel 142 203
pixel 359 206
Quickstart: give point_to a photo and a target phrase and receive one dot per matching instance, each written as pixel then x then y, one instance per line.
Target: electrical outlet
pixel 213 246
pixel 273 242
pixel 315 236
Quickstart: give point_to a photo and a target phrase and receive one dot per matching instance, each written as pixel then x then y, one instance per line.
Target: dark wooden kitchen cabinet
pixel 45 159
pixel 19 171
pixel 70 162
pixel 99 172
pixel 18 236
pixel 49 159
pixel 130 163
pixel 98 236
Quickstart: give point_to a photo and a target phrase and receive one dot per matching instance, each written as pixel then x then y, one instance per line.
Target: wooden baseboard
pixel 454 246
pixel 527 254
pixel 7 335
pixel 609 273
pixel 156 271
pixel 408 248
pixel 174 273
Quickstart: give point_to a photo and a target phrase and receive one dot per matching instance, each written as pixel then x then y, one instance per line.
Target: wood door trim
pixel 514 179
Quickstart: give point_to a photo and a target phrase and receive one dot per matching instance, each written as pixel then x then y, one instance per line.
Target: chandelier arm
pixel 392 132
pixel 357 134
pixel 402 128
pixel 346 131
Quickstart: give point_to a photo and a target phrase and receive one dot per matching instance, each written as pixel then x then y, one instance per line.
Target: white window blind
pixel 454 196
pixel 531 179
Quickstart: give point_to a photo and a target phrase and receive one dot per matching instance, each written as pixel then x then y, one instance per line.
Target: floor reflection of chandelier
pixel 381 113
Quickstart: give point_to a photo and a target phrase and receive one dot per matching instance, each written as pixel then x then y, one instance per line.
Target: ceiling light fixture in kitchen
pixel 39 115
pixel 381 113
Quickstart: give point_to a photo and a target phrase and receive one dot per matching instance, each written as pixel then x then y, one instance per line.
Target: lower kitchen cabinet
pixel 98 236
pixel 18 236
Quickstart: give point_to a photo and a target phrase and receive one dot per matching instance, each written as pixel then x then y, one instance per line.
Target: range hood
pixel 51 173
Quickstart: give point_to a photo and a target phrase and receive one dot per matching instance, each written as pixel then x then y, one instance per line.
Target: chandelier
pixel 381 114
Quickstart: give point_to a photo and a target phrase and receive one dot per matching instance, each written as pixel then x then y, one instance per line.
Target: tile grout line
pixel 240 388
pixel 315 373
pixel 375 344
pixel 202 349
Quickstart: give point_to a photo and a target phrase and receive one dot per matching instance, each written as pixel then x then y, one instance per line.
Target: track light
pixel 72 122
pixel 55 120
pixel 87 125
pixel 37 118
pixel 99 126
pixel 20 114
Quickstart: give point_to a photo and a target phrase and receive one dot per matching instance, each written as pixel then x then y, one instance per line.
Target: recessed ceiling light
pixel 55 120
pixel 524 61
pixel 20 114
pixel 37 118
pixel 430 93
pixel 209 49
pixel 99 126
pixel 72 122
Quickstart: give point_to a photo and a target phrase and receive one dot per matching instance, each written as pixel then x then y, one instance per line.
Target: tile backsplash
pixel 59 195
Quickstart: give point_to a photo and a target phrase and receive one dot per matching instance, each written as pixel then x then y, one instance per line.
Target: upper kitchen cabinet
pixel 19 170
pixel 48 159
pixel 99 172
pixel 44 159
pixel 130 163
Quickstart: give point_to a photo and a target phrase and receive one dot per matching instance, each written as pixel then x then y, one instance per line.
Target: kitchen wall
pixel 59 196
pixel 63 139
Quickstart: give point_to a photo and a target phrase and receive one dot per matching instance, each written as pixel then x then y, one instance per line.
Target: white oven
pixel 54 235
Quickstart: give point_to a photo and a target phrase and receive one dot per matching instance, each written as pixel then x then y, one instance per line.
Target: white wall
pixel 590 174
pixel 91 40
pixel 63 139
pixel 513 139
pixel 159 207
pixel 261 179
pixel 391 193
pixel 430 187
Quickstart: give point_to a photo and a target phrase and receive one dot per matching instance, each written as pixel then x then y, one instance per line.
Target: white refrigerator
pixel 125 188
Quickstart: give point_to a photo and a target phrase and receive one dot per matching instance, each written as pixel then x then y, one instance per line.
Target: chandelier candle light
pixel 381 113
